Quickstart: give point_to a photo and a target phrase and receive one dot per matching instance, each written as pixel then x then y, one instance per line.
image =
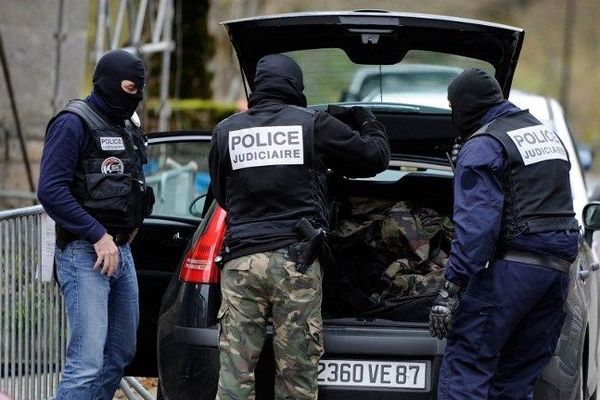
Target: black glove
pixel 344 114
pixel 355 116
pixel 362 115
pixel 440 316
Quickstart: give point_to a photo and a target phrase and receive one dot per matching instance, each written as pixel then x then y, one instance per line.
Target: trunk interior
pixel 388 244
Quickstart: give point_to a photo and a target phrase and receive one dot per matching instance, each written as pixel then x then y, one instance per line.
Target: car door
pixel 177 170
pixel 578 344
pixel 588 275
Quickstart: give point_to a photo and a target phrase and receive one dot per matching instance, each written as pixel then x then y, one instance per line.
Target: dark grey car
pixel 366 357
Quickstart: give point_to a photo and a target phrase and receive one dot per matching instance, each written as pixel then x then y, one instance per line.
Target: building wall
pixel 45 74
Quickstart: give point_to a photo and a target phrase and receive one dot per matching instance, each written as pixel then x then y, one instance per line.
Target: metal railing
pixel 33 323
pixel 173 188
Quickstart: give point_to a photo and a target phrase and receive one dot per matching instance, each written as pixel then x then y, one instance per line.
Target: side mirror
pixel 197 206
pixel 591 216
pixel 591 220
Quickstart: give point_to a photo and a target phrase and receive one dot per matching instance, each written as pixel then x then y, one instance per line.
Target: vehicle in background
pixel 378 356
pixel 586 155
pixel 550 113
pixel 429 88
pixel 422 84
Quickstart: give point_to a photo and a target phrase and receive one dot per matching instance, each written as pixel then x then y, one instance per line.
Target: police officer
pixel 92 185
pixel 507 277
pixel 268 169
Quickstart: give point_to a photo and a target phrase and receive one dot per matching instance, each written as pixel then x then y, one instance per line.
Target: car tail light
pixel 199 263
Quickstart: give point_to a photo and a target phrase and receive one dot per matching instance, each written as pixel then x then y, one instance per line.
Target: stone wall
pixel 44 76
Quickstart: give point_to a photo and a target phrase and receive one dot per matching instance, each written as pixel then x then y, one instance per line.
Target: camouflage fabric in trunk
pixel 387 250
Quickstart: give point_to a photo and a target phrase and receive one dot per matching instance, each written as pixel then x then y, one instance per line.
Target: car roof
pixel 537 105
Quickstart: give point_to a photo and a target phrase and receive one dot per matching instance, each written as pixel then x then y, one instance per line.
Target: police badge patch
pixel 112 165
pixel 538 143
pixel 112 143
pixel 266 145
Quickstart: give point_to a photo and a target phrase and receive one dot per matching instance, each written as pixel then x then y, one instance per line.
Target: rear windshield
pixel 421 79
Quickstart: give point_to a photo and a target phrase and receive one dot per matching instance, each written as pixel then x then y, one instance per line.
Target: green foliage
pixel 194 52
pixel 330 73
pixel 189 74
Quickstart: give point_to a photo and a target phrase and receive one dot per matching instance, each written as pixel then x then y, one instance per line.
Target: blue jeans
pixel 103 317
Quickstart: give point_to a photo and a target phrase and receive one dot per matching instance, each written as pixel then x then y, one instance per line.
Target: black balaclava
pixel 471 95
pixel 114 67
pixel 278 77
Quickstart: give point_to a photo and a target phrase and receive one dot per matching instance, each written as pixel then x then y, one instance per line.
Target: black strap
pixel 542 260
pixel 64 237
pixel 93 119
pixel 552 224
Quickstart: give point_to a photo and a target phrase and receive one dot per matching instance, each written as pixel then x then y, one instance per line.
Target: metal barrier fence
pixel 33 324
pixel 174 188
pixel 32 321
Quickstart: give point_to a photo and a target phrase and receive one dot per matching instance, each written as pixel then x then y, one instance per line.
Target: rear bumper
pixel 341 339
pixel 190 360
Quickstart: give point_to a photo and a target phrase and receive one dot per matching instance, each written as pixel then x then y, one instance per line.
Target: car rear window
pixel 420 79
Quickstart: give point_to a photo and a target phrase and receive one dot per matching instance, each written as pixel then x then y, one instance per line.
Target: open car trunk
pixel 376 38
pixel 389 242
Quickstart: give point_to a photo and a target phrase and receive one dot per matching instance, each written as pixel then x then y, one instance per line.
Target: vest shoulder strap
pixel 481 130
pixel 92 119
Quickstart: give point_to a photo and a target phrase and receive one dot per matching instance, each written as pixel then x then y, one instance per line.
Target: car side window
pixel 178 174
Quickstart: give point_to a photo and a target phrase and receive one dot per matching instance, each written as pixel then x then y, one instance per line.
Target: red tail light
pixel 199 264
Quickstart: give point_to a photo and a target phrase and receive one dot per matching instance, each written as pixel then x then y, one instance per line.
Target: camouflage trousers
pixel 255 287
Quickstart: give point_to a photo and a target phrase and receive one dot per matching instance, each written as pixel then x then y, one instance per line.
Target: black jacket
pixel 261 218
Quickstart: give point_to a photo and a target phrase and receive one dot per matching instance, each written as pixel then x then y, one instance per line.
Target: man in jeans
pixel 92 184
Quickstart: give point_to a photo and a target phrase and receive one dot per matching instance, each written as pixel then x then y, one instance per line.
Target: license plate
pixel 381 374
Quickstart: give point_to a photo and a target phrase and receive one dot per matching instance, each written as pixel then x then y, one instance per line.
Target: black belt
pixel 120 238
pixel 64 237
pixel 527 257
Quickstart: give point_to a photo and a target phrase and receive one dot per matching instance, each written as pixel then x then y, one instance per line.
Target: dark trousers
pixel 504 333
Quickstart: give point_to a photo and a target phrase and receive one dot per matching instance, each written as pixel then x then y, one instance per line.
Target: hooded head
pixel 113 68
pixel 278 77
pixel 471 95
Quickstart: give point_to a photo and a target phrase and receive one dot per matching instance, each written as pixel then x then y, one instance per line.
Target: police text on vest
pixel 538 143
pixel 111 143
pixel 266 145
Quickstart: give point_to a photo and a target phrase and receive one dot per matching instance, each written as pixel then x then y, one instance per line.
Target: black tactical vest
pixel 109 181
pixel 274 180
pixel 536 184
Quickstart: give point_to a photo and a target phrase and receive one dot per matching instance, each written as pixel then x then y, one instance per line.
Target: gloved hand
pixel 362 115
pixel 440 316
pixel 458 144
pixel 344 114
pixel 354 116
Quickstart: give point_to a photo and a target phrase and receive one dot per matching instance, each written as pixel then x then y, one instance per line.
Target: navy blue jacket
pixel 478 207
pixel 66 140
